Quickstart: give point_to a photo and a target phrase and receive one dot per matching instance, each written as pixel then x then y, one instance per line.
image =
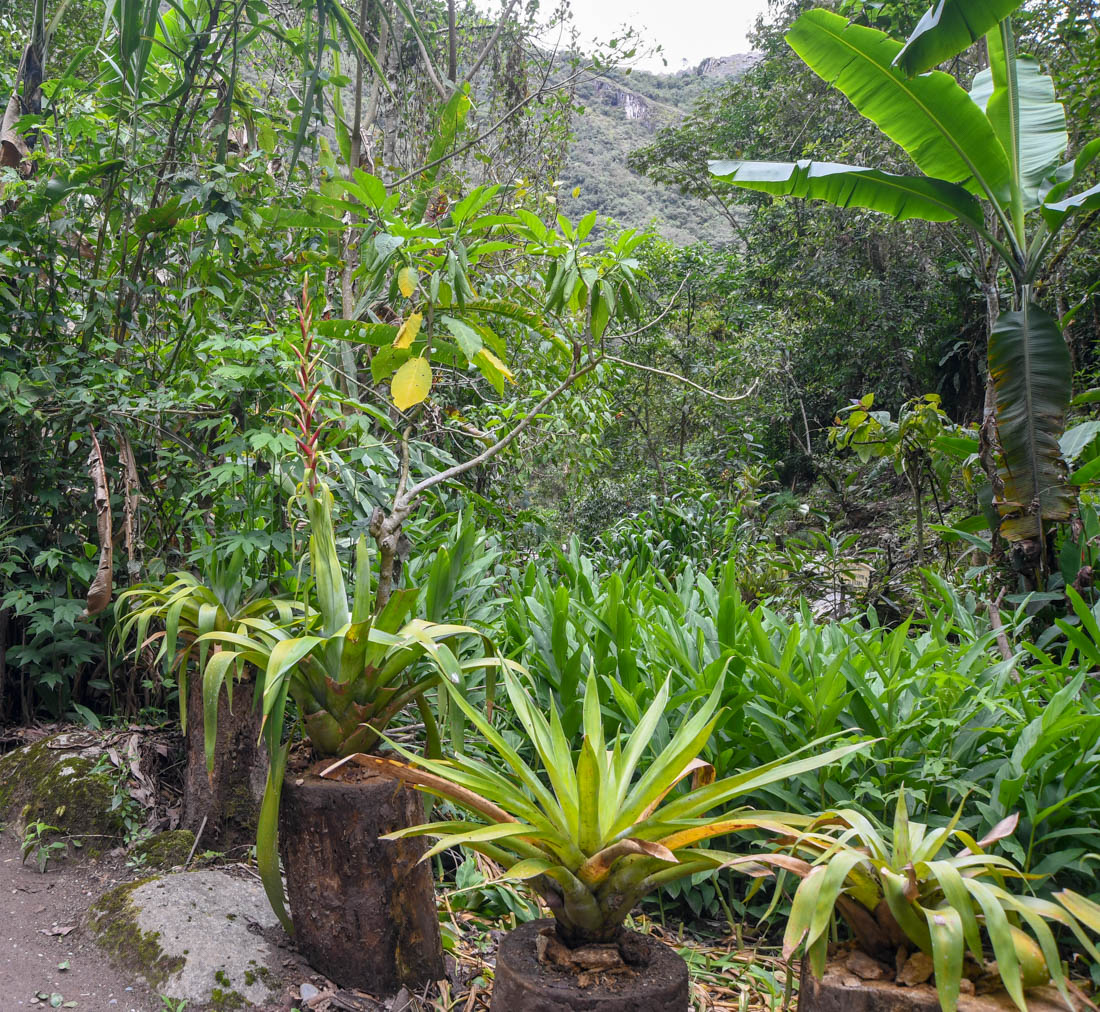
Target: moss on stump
pixel 164 850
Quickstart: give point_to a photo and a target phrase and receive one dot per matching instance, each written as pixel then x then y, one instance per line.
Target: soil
pixel 43 927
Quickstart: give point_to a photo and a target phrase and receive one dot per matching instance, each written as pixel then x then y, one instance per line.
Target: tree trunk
pixel 230 800
pixel 364 909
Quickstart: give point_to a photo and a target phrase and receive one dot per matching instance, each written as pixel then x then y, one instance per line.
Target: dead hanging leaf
pixel 129 502
pixel 408 331
pixel 411 383
pixel 13 149
pixel 99 593
pixel 26 99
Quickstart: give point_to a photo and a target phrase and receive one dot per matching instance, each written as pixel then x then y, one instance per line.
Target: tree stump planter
pixel 364 909
pixel 656 979
pixel 225 807
pixel 843 990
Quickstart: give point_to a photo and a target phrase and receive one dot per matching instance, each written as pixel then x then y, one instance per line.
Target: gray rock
pixel 208 921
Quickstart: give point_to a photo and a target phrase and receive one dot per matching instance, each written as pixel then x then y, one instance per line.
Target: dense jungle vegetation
pixel 309 316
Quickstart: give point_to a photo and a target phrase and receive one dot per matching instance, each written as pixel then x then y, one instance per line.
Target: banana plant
pixel 596 830
pixel 990 159
pixel 902 889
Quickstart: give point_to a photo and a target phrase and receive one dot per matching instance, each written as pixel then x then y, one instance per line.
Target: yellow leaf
pixel 406 281
pixel 411 383
pixel 493 360
pixel 409 329
pixel 576 192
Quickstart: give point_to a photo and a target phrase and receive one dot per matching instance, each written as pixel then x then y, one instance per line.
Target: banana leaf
pixel 1030 365
pixel 901 197
pixel 930 116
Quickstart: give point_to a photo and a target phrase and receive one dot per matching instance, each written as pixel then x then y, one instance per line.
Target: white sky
pixel 689 30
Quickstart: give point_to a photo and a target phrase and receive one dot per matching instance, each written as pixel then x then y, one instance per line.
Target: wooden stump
pixel 842 990
pixel 658 982
pixel 364 910
pixel 230 801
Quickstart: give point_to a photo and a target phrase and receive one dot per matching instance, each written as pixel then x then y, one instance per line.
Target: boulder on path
pixel 194 936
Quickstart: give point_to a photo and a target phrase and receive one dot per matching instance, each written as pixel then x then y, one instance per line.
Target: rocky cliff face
pixel 630 104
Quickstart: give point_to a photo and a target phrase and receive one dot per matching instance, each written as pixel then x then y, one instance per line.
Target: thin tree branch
pixel 487 48
pixel 683 379
pixel 403 503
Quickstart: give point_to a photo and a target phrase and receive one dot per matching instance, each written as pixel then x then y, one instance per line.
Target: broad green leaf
pixel 901 197
pixel 1088 200
pixel 997 927
pixel 1030 365
pixel 802 910
pixel 945 927
pixel 930 116
pixel 1034 125
pixel 267 836
pixel 468 339
pixel 949 27
pixel 212 679
pixel 357 331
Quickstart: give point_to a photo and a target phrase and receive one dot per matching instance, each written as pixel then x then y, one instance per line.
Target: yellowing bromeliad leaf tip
pixel 411 383
pixel 408 331
pixel 406 281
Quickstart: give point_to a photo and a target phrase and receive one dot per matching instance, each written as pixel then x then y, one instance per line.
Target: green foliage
pixel 592 830
pixel 903 885
pixel 1002 142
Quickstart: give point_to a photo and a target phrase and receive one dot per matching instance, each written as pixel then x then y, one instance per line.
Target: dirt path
pixel 35 911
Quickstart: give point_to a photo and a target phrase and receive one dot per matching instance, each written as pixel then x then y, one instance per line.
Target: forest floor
pixel 49 957
pixel 48 950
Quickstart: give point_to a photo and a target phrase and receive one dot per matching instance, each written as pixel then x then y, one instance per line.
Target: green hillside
pixel 621 112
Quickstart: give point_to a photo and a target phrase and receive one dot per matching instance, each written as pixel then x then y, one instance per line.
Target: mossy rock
pixel 164 850
pixel 113 921
pixel 52 781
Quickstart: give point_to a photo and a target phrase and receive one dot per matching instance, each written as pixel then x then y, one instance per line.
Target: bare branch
pixel 487 48
pixel 403 503
pixel 683 379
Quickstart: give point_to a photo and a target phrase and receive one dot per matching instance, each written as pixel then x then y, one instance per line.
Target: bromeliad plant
pixel 595 831
pixel 349 667
pixel 906 890
pixel 192 608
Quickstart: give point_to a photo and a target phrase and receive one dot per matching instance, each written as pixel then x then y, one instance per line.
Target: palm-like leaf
pixel 930 116
pixel 901 197
pixel 947 28
pixel 1030 122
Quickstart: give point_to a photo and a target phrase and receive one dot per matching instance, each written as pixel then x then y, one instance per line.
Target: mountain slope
pixel 622 112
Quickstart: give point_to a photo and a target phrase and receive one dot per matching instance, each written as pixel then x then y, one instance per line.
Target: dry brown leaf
pixel 99 593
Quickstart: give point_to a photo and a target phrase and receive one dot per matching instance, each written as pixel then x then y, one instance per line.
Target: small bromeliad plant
pixel 906 891
pixel 594 832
